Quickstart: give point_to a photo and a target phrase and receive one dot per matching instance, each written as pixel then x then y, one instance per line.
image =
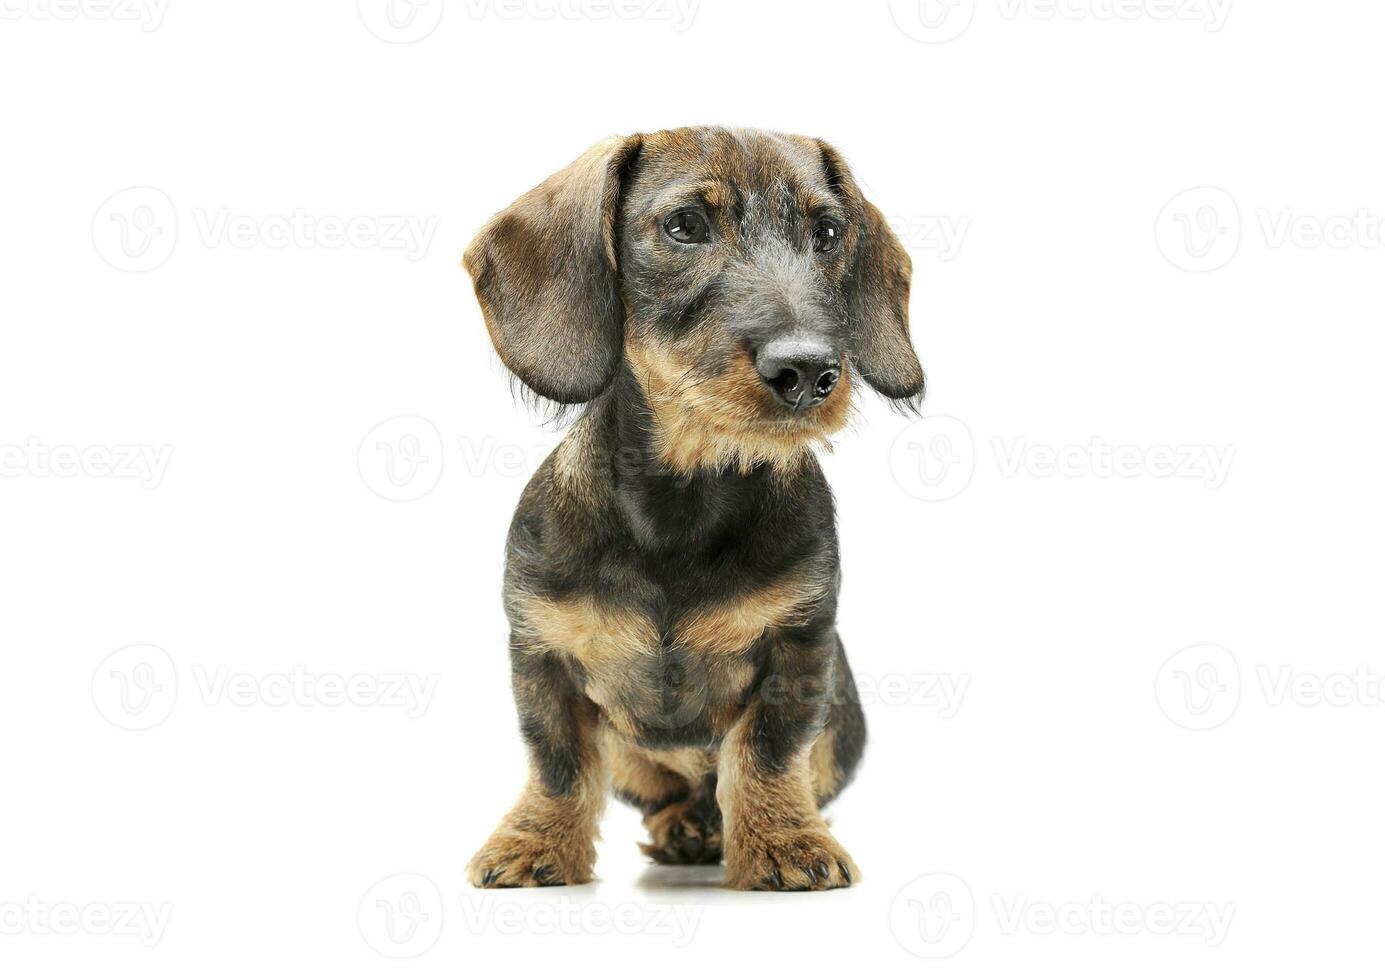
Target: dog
pixel 705 302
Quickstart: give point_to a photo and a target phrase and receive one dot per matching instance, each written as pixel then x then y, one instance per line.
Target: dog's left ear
pixel 545 275
pixel 877 292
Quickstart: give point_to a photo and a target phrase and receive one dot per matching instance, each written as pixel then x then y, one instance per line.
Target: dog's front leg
pixel 547 838
pixel 774 836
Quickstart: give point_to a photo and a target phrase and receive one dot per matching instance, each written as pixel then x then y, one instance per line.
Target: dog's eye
pixel 687 226
pixel 826 235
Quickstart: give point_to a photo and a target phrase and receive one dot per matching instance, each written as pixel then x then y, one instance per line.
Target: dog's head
pixel 740 275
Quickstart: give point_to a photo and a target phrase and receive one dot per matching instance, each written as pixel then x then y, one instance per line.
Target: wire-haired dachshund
pixel 711 299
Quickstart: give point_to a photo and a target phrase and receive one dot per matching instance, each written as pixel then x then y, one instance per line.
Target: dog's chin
pixel 730 420
pixel 805 429
pixel 693 438
pixel 827 416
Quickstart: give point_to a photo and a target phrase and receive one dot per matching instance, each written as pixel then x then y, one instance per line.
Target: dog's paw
pixel 518 859
pixel 687 832
pixel 794 860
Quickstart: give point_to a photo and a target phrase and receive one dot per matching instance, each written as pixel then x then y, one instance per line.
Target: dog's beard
pixel 720 417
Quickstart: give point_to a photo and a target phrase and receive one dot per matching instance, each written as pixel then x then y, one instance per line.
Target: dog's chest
pixel 663 671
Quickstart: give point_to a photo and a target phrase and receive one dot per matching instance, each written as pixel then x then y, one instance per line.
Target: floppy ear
pixel 877 293
pixel 545 275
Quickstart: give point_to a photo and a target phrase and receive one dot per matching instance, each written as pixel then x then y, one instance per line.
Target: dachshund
pixel 704 303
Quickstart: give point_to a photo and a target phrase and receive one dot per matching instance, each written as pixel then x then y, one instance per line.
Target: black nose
pixel 799 375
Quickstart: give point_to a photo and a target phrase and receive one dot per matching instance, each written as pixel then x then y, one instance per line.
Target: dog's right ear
pixel 878 293
pixel 546 277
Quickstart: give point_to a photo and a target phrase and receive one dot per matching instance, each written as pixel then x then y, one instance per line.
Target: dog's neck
pixel 663 507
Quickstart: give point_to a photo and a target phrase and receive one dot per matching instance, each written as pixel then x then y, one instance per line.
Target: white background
pixel 1087 310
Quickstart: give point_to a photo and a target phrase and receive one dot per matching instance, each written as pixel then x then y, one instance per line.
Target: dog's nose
pixel 800 374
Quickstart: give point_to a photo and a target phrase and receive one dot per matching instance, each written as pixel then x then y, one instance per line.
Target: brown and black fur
pixel 672 569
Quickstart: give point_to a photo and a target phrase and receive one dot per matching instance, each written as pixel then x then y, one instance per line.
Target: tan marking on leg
pixel 545 839
pixel 775 839
pixel 668 769
pixel 687 828
pixel 822 766
pixel 730 678
pixel 637 773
